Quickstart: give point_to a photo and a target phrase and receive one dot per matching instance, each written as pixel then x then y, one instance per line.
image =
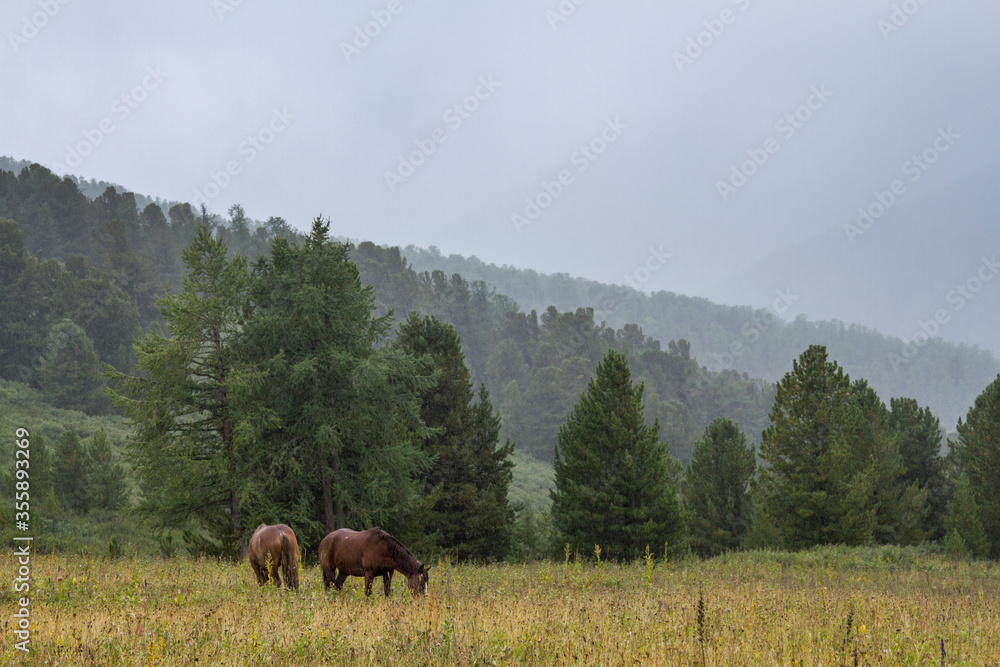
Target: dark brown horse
pixel 369 553
pixel 280 544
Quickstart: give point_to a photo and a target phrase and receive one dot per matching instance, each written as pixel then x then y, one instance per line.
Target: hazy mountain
pixel 941 248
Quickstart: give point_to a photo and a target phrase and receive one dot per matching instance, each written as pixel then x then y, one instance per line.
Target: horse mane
pixel 396 550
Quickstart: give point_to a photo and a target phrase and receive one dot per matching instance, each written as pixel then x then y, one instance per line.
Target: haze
pixel 719 149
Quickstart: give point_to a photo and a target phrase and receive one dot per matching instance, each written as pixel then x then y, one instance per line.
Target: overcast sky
pixel 594 138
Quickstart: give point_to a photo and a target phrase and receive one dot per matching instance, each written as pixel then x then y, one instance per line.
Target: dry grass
pixel 830 607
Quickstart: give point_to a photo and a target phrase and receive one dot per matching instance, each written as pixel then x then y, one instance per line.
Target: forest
pixel 200 374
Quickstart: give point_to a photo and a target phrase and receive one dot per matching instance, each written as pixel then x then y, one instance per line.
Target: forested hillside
pixel 102 263
pixel 406 397
pixel 758 342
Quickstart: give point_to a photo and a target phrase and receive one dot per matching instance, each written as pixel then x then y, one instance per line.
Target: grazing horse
pixel 369 554
pixel 280 544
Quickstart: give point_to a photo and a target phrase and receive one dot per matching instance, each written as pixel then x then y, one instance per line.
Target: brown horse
pixel 369 553
pixel 280 544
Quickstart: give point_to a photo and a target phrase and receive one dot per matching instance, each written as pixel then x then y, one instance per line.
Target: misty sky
pixel 707 141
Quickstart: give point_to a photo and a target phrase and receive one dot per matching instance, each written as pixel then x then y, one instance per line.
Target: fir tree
pixel 612 478
pixel 716 488
pixel 469 513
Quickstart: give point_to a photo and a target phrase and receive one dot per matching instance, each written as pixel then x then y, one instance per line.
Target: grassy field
pixel 828 606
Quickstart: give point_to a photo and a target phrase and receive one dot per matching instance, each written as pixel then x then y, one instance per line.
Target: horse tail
pixel 289 563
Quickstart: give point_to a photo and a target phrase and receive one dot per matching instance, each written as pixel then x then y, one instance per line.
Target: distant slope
pixel 915 248
pixel 944 376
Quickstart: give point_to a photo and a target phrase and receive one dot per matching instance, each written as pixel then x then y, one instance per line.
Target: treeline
pixel 81 277
pixel 837 467
pixel 756 341
pixel 537 365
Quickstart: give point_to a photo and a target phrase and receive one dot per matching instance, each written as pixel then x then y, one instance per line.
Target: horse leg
pixel 368 583
pixel 274 573
pixel 387 582
pixel 327 579
pixel 338 583
pixel 261 579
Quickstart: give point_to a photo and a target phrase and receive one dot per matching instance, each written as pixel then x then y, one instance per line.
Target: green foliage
pixel 716 488
pixel 964 532
pixel 611 472
pixel 919 434
pixel 468 512
pixel 70 373
pixel 342 450
pixel 196 426
pixel 742 339
pixel 978 455
pixel 816 489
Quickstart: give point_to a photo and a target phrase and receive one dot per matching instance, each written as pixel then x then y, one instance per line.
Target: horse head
pixel 418 580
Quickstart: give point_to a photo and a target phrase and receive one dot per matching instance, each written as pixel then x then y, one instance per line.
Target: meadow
pixel 828 606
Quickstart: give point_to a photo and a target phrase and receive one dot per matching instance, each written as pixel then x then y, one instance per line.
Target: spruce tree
pixel 919 434
pixel 979 458
pixel 964 533
pixel 466 487
pixel 612 481
pixel 815 490
pixel 716 488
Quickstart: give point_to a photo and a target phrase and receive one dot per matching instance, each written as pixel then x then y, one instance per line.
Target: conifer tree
pixel 919 434
pixel 815 491
pixel 197 425
pixel 70 373
pixel 466 486
pixel 964 533
pixel 344 449
pixel 979 457
pixel 612 478
pixel 716 488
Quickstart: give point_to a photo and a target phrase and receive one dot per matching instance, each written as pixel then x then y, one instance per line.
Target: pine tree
pixel 979 457
pixel 816 490
pixel 875 444
pixel 467 484
pixel 964 533
pixel 612 479
pixel 919 434
pixel 71 471
pixel 716 488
